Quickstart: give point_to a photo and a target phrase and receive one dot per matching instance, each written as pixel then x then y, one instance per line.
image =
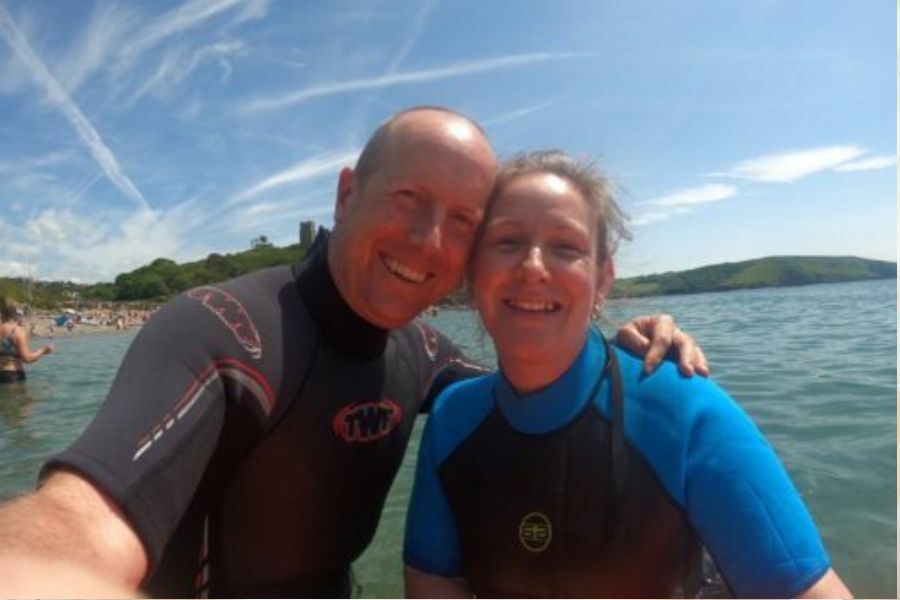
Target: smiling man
pixel 254 428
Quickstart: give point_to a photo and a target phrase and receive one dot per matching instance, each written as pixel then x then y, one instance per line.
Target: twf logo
pixel 232 314
pixel 363 422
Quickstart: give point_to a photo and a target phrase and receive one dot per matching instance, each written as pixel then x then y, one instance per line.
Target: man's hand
pixel 654 335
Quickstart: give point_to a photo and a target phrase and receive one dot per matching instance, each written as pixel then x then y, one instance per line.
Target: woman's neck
pixel 528 374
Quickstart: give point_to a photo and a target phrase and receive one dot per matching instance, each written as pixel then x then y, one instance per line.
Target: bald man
pixel 254 428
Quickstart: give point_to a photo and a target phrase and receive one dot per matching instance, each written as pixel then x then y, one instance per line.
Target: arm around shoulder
pixel 69 520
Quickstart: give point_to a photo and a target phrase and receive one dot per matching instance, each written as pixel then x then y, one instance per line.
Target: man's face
pixel 402 238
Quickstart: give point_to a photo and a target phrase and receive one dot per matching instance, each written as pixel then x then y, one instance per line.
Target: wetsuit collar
pixel 557 404
pixel 340 325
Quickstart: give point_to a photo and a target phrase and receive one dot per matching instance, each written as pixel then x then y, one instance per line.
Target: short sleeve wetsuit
pixel 525 495
pixel 253 430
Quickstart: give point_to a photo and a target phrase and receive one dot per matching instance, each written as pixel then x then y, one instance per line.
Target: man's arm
pixel 654 336
pixel 67 519
pixel 651 336
pixel 420 584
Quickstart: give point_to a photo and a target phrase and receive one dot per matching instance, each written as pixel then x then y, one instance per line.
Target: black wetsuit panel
pixel 253 431
pixel 562 479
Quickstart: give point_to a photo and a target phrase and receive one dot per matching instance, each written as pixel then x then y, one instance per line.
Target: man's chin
pixel 394 317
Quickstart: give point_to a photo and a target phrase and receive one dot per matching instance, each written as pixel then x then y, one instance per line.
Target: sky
pixel 732 130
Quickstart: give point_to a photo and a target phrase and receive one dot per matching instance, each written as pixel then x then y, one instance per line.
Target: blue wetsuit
pixel 518 493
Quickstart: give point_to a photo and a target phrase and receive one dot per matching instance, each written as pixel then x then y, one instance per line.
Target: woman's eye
pixel 568 250
pixel 506 244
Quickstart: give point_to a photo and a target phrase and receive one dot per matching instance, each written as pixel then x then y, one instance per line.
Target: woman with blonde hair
pixel 15 350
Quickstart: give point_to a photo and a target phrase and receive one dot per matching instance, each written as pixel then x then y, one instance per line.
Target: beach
pixel 42 324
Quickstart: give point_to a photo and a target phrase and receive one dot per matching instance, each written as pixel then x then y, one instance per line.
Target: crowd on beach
pixel 69 322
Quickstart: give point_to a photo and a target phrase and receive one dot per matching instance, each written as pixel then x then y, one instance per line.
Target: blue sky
pixel 132 131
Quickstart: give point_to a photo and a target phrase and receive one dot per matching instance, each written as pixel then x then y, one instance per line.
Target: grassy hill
pixel 762 272
pixel 156 282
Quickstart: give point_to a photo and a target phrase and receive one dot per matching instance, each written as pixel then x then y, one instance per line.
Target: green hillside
pixel 164 278
pixel 156 282
pixel 762 272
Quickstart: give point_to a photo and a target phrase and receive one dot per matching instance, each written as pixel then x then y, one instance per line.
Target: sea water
pixel 814 366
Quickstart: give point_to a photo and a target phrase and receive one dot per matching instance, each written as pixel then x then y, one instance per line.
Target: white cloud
pixel 646 217
pixel 13 268
pixel 394 79
pixel 868 164
pixel 58 96
pixel 680 202
pixel 187 16
pixel 319 166
pixel 178 64
pixel 693 196
pixel 790 166
pixel 59 225
pixel 20 249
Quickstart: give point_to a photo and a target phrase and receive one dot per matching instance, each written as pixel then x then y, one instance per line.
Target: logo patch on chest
pixel 363 422
pixel 535 532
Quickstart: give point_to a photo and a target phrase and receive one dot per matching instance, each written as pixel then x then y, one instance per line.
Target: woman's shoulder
pixel 459 410
pixel 666 384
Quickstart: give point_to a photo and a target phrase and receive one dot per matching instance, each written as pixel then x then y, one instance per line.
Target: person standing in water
pixel 15 350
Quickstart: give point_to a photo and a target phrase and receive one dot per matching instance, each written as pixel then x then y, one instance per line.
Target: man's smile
pixel 405 272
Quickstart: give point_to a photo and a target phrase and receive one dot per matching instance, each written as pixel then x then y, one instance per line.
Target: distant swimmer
pixel 14 348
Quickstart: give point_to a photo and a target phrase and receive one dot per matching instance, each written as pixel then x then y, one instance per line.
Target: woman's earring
pixel 597 309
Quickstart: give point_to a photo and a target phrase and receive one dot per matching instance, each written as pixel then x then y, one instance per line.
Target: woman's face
pixel 535 274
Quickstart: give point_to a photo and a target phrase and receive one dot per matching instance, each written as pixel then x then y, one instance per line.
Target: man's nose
pixel 426 231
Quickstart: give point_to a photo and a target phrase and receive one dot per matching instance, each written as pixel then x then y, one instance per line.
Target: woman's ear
pixel 606 276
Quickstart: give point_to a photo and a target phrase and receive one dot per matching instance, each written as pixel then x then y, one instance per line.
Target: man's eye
pixel 406 198
pixel 464 220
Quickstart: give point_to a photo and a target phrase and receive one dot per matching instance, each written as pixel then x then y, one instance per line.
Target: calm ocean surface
pixel 816 368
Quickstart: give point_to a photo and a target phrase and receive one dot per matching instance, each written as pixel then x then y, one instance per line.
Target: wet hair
pixel 587 178
pixel 367 163
pixel 8 309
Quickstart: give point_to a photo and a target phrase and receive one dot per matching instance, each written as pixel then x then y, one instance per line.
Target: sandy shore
pixel 42 324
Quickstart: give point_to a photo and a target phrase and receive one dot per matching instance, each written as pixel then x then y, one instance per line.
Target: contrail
pixel 58 95
pixel 176 21
pixel 307 169
pixel 418 25
pixel 328 89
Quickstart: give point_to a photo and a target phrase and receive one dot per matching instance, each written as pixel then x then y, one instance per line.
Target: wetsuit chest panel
pixel 534 514
pixel 309 496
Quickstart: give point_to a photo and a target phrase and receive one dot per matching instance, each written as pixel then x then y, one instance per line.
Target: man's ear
pixel 345 189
